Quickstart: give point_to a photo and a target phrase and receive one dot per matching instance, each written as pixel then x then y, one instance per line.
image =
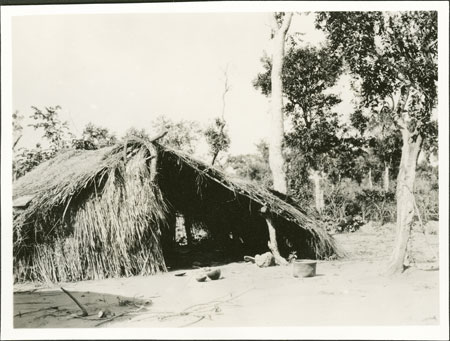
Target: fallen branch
pixel 125 313
pixel 217 300
pixel 200 310
pixel 83 309
pixel 194 322
pixel 35 311
pixel 110 319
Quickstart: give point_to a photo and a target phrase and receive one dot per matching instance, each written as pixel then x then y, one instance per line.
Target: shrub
pixel 348 205
pixel 350 224
pixel 427 193
pixel 377 205
pixel 342 211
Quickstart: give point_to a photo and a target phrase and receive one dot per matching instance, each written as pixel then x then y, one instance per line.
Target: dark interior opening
pixel 220 226
pixel 229 230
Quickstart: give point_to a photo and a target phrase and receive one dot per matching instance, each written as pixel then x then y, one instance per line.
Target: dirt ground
pixel 352 291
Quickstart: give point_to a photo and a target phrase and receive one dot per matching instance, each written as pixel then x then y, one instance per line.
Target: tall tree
pixel 394 57
pixel 307 72
pixel 280 25
pixel 217 138
pixel 216 135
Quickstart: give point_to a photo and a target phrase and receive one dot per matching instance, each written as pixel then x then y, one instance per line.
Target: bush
pixel 427 193
pixel 377 205
pixel 347 224
pixel 342 211
pixel 348 205
pixel 350 224
pixel 340 200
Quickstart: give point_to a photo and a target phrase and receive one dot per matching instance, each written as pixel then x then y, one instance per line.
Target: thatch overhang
pixel 108 212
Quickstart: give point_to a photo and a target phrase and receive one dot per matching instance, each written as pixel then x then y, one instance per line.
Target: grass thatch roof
pixel 99 213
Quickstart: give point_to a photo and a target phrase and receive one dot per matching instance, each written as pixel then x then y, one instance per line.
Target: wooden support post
pixel 153 162
pixel 154 154
pixel 272 243
pixel 172 228
pixel 188 228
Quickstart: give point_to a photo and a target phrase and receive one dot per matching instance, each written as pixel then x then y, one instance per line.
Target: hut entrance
pixel 192 245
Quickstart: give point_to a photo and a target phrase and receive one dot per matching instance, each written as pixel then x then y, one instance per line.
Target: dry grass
pixel 111 227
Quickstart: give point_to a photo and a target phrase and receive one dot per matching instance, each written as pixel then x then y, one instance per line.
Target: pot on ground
pixel 304 268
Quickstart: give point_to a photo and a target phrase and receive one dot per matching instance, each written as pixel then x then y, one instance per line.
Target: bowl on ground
pixel 304 268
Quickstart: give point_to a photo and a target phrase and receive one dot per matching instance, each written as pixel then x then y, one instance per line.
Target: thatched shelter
pixel 111 212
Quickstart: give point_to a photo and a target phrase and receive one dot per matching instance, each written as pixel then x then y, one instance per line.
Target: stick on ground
pixel 35 311
pixel 83 309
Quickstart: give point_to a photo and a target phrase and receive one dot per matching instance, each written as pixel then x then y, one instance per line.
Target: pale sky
pixel 122 70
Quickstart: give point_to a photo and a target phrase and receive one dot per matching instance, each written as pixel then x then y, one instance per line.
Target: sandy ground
pixel 352 291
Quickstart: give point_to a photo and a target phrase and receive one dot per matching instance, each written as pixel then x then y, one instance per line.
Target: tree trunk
pixel 222 126
pixel 386 178
pixel 405 200
pixel 276 159
pixel 318 191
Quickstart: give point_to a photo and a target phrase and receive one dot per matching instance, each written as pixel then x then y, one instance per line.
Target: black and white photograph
pixel 225 170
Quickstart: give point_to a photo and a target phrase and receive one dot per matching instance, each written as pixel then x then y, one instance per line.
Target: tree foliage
pixel 387 149
pixel 94 137
pixel 382 143
pixel 317 139
pixel 56 135
pixel 217 138
pixel 307 72
pixel 253 167
pixel 133 131
pixel 56 132
pixel 393 58
pixel 181 135
pixel 393 54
